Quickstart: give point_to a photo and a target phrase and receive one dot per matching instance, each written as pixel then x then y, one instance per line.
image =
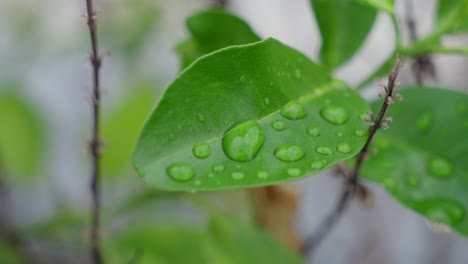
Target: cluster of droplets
pixel 243 141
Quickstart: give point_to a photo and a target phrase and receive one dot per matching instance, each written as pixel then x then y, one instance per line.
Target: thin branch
pixel 94 145
pixel 352 184
pixel 221 3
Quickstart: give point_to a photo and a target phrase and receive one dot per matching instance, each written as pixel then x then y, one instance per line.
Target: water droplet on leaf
pixel 289 152
pixel 262 175
pixel 317 165
pixel 440 168
pixel 278 125
pixel 298 73
pixel 293 111
pixel 243 78
pixel 334 114
pixel 324 150
pixel 267 100
pixel 218 168
pixel 424 121
pixel 344 148
pixel 201 117
pixel 313 131
pixel 243 140
pixel 413 181
pixel 201 150
pixel 181 172
pixel 359 132
pixel 442 211
pixel 294 172
pixel 237 175
pixel 339 134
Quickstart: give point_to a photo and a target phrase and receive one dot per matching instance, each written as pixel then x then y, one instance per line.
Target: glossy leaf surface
pixel 223 241
pixel 21 136
pixel 344 25
pixel 385 5
pixel 121 128
pixel 211 30
pixel 247 116
pixel 421 158
pixel 452 16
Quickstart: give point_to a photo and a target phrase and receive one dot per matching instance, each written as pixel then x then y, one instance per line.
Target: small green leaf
pixel 421 159
pixel 120 129
pixel 344 25
pixel 231 100
pixel 385 5
pixel 452 16
pixel 211 30
pixel 223 241
pixel 21 136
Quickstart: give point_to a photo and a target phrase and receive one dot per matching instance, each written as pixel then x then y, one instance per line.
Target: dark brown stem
pixel 351 178
pixel 95 60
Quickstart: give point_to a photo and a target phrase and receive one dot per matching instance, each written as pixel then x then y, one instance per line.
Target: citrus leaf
pixel 246 116
pixel 344 25
pixel 421 159
pixel 223 241
pixel 120 129
pixel 21 136
pixel 451 16
pixel 385 5
pixel 211 30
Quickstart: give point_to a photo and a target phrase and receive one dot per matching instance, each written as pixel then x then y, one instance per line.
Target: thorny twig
pixel 352 185
pixel 95 60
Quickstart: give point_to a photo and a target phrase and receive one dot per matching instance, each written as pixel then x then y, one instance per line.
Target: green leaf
pixel 421 159
pixel 211 30
pixel 261 102
pixel 344 25
pixel 452 16
pixel 121 128
pixel 385 5
pixel 21 136
pixel 9 255
pixel 223 241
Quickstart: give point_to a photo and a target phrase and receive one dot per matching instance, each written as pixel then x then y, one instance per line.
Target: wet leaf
pixel 228 102
pixel 421 158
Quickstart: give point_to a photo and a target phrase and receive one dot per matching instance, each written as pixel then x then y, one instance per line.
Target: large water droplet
pixel 344 148
pixel 313 131
pixel 218 168
pixel 442 211
pixel 278 125
pixel 298 73
pixel 263 175
pixel 201 117
pixel 334 114
pixel 424 121
pixel 324 150
pixel 359 132
pixel 289 152
pixel 440 167
pixel 316 165
pixel 201 150
pixel 181 172
pixel 237 175
pixel 243 140
pixel 294 172
pixel 293 111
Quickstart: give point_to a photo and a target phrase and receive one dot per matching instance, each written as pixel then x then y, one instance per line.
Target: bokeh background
pixel 44 69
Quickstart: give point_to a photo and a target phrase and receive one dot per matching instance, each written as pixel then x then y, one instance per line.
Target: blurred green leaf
pixel 224 241
pixel 262 112
pixel 421 159
pixel 211 30
pixel 120 129
pixel 127 25
pixel 452 16
pixel 385 5
pixel 344 25
pixel 21 136
pixel 8 255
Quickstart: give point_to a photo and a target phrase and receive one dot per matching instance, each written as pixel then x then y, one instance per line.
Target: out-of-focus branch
pixel 94 145
pixel 352 185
